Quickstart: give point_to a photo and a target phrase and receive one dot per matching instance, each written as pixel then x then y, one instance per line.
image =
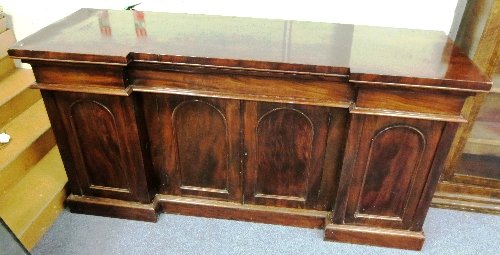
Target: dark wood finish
pixel 195 144
pixel 393 238
pixel 271 121
pixel 244 212
pixel 410 100
pixel 210 82
pixel 392 58
pixel 258 45
pixel 107 154
pixel 113 208
pixel 112 76
pixel 285 146
pixel 393 159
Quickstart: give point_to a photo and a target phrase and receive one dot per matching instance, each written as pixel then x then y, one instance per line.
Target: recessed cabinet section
pixel 292 154
pixel 282 154
pixel 393 159
pixel 195 145
pixel 107 150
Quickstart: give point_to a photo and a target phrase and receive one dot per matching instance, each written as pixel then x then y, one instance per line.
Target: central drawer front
pixel 242 85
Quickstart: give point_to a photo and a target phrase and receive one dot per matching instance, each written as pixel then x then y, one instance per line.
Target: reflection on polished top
pixel 366 54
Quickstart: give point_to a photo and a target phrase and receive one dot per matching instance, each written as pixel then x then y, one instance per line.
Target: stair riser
pixel 33 204
pixel 6 66
pixel 32 177
pixel 43 222
pixel 17 105
pixel 15 171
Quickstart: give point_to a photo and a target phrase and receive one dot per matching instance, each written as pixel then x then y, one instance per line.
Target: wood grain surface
pixel 284 122
pixel 371 54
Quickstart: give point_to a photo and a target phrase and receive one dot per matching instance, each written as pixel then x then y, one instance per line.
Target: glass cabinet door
pixel 481 155
pixel 471 177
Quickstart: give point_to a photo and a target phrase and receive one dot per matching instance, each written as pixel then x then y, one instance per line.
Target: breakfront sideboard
pixel 319 125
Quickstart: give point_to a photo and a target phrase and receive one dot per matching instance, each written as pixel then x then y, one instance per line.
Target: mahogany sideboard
pixel 341 127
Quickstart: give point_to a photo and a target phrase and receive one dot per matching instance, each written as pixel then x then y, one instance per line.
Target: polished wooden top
pixel 361 53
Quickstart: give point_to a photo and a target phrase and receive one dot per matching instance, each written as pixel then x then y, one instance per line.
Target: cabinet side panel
pixel 63 144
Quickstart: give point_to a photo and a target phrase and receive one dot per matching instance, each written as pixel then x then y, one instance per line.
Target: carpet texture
pixel 447 232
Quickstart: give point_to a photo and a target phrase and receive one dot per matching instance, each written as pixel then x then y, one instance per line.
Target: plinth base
pixel 403 239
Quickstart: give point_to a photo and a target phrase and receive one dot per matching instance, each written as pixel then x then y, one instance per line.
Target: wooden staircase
pixel 32 176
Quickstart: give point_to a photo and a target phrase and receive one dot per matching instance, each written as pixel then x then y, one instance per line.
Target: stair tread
pixel 24 202
pixel 24 130
pixel 14 83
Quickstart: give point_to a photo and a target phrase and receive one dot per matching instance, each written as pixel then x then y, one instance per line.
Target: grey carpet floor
pixel 447 232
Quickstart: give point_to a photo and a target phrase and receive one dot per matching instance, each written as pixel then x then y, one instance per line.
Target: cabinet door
pixel 386 168
pixel 100 144
pixel 286 151
pixel 195 145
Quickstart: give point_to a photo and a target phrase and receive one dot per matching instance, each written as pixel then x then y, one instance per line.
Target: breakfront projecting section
pixel 391 154
pixel 103 151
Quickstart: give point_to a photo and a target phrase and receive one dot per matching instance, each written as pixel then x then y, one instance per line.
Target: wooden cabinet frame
pixel 328 126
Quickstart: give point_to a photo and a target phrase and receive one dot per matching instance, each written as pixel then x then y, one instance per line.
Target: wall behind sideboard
pixel 26 17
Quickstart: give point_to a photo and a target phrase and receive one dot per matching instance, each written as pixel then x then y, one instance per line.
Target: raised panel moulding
pixel 202 146
pixel 284 149
pixel 101 154
pixel 393 161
